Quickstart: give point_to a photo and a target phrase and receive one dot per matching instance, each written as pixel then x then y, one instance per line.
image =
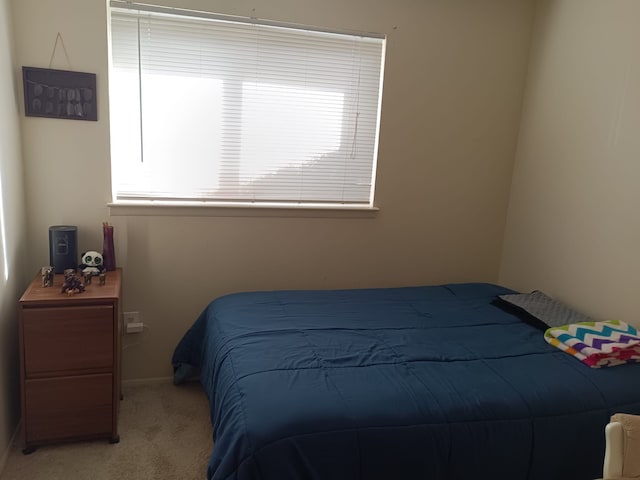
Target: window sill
pixel 209 209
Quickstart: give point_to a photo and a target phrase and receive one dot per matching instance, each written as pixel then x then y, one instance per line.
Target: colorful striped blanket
pixel 597 344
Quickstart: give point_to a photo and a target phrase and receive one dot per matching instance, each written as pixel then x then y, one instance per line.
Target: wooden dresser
pixel 70 361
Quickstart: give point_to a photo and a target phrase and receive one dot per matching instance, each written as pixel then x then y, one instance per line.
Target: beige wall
pixel 452 98
pixel 13 275
pixel 573 226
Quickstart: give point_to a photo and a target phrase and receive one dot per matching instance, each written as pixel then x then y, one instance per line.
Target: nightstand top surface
pixel 36 293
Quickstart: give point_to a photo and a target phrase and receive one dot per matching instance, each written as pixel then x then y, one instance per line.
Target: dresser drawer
pixel 68 339
pixel 68 407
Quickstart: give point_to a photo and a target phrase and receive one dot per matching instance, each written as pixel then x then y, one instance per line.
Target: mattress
pixel 430 382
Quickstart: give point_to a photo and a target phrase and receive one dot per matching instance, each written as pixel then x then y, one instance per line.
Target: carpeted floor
pixel 165 434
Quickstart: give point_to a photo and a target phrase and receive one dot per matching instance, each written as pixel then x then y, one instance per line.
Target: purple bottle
pixel 108 250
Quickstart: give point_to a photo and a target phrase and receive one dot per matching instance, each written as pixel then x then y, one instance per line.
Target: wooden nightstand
pixel 70 362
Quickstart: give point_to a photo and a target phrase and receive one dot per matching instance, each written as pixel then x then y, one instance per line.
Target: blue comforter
pixel 424 382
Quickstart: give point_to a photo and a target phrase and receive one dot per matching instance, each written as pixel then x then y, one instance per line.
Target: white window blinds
pixel 213 109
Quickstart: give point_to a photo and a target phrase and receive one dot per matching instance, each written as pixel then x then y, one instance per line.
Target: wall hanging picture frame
pixel 59 94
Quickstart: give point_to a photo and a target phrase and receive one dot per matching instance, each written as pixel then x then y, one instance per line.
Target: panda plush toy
pixel 92 263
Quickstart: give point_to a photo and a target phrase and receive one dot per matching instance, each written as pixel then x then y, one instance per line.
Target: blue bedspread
pixel 407 383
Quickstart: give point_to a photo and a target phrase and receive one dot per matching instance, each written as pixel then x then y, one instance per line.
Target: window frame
pixel 199 207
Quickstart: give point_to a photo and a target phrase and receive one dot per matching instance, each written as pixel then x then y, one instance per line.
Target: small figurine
pixel 103 278
pixel 71 283
pixel 47 276
pixel 92 262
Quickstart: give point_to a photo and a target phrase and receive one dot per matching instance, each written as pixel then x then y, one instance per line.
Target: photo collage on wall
pixel 59 94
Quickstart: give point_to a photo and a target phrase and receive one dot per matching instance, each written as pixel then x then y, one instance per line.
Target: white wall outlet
pixel 135 327
pixel 129 318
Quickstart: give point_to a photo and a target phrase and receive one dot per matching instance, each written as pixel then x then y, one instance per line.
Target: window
pixel 216 109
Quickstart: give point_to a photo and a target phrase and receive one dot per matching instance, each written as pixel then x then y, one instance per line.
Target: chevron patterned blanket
pixel 597 344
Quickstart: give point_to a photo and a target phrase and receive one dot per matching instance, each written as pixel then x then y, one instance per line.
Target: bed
pixel 432 382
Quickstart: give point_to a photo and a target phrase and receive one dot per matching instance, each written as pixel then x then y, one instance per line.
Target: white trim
pixel 5 455
pixel 211 209
pixel 146 7
pixel 135 382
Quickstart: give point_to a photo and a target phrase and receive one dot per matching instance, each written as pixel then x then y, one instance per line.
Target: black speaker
pixel 63 247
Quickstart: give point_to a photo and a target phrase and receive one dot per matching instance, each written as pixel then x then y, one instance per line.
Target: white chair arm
pixel 614 452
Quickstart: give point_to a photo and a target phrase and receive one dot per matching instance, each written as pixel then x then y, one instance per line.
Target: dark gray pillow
pixel 550 312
